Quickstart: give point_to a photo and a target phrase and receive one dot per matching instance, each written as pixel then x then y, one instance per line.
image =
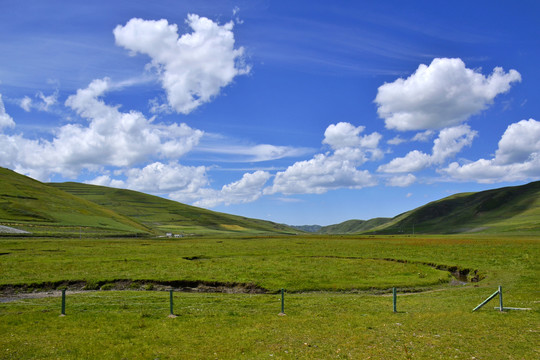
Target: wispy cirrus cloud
pixel 228 149
pixel 43 103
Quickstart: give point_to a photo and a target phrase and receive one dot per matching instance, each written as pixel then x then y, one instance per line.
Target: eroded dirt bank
pixel 13 291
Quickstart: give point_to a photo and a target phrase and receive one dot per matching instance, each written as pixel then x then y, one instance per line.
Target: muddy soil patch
pixel 13 291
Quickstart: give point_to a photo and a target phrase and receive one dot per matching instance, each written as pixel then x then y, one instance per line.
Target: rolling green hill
pixel 353 226
pixel 505 210
pixel 30 205
pixel 165 215
pixel 72 209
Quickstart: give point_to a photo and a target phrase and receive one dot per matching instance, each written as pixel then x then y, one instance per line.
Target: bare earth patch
pixel 10 230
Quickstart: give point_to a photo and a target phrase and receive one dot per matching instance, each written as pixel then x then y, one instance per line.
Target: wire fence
pixel 171 303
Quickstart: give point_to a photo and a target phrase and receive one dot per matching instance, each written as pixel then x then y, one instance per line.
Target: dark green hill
pixel 165 215
pixel 30 205
pixel 505 210
pixel 353 226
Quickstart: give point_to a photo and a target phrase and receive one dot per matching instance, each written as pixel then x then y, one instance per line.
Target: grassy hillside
pixel 30 205
pixel 506 210
pixel 165 215
pixel 353 226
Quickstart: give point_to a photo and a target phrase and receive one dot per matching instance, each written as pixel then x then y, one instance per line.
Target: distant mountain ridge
pixel 63 208
pixel 505 210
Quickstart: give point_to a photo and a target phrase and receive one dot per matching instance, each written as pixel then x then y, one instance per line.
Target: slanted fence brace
pixel 498 292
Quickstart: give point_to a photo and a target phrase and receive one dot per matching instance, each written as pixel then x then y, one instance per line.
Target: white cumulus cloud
pixel 344 135
pixel 401 180
pixel 332 170
pixel 320 174
pixel 5 119
pixel 187 184
pixel 517 157
pixel 396 140
pixel 519 142
pixel 117 138
pixel 440 95
pixel 159 178
pixel 105 180
pixel 111 138
pixel 247 189
pixel 423 136
pixel 414 161
pixel 173 179
pixel 26 103
pixel 193 67
pixel 449 142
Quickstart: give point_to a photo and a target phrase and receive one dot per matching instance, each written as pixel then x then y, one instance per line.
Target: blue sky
pixel 304 112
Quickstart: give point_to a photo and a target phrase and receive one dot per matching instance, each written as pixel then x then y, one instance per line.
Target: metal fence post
pixel 501 308
pixel 394 295
pixel 63 313
pixel 171 315
pixel 282 313
pixel 171 298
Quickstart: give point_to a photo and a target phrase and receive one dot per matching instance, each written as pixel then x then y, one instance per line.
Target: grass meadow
pixel 338 302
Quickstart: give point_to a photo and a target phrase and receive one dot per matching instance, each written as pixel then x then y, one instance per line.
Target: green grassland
pixel 338 303
pixel 217 326
pixel 102 246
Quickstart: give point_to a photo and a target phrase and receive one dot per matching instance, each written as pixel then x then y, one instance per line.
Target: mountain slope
pixel 353 226
pixel 510 209
pixel 165 215
pixel 36 207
